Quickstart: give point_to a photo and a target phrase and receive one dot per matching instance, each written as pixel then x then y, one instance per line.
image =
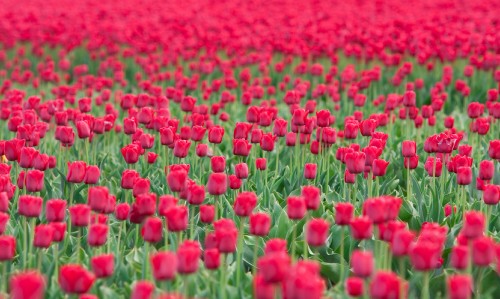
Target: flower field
pixel 249 149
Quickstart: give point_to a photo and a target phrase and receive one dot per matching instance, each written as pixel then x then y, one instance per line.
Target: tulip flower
pixel 103 265
pixel 26 285
pixel 164 265
pixel 73 279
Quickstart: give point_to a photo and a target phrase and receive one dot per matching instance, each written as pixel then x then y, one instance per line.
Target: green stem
pixel 3 279
pixel 120 235
pixel 191 218
pixel 241 236
pixel 137 229
pixel 31 240
pixel 342 236
pixel 79 244
pixel 145 261
pixel 186 286
pixel 294 238
pixel 40 258
pixel 305 238
pixel 255 247
pixel 425 285
pixel 56 259
pixel 25 242
pixel 222 277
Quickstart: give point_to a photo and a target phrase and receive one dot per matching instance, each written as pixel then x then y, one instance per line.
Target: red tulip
pixel 201 150
pixel 177 180
pixel 215 134
pixel 129 178
pixel 177 218
pixel 311 196
pixel 459 286
pixel 424 255
pixel 65 135
pixel 432 164
pixel 103 265
pixel 226 235
pixel 13 149
pixel 73 279
pixel 164 265
pixel 362 263
pixel 261 163
pixel 59 231
pixel 27 156
pixel 244 204
pixel 260 224
pixel 493 150
pixel 409 148
pixel 131 153
pixel 483 251
pixel 122 211
pixel 241 147
pixel 401 242
pixel 4 202
pixel 98 198
pixel 459 257
pixel 267 142
pixel 79 215
pixel 27 285
pixel 212 258
pixel 379 167
pixel 217 183
pixel 280 127
pixel 475 109
pixel 218 163
pixel 141 186
pixel 167 135
pixel 296 287
pixel 76 172
pixel 385 285
pixel 296 207
pixel 491 194
pixel 142 290
pixel 41 162
pixel 310 170
pixel 152 230
pixel 355 162
pixel 43 236
pixel 188 254
pixel 299 117
pixel 344 213
pixel 30 206
pixel 97 235
pixel 411 162
pixel 4 219
pixel 361 228
pixel 354 286
pixel 367 127
pixel 274 267
pixel 256 136
pixel 196 194
pixel 262 289
pixel 207 213
pixel 464 175
pixel 83 129
pixel 351 130
pixel 92 174
pixel 317 232
pixel 241 170
pixel 7 248
pixel 486 170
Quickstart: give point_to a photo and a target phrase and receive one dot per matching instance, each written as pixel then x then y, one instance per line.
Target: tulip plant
pixel 249 149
